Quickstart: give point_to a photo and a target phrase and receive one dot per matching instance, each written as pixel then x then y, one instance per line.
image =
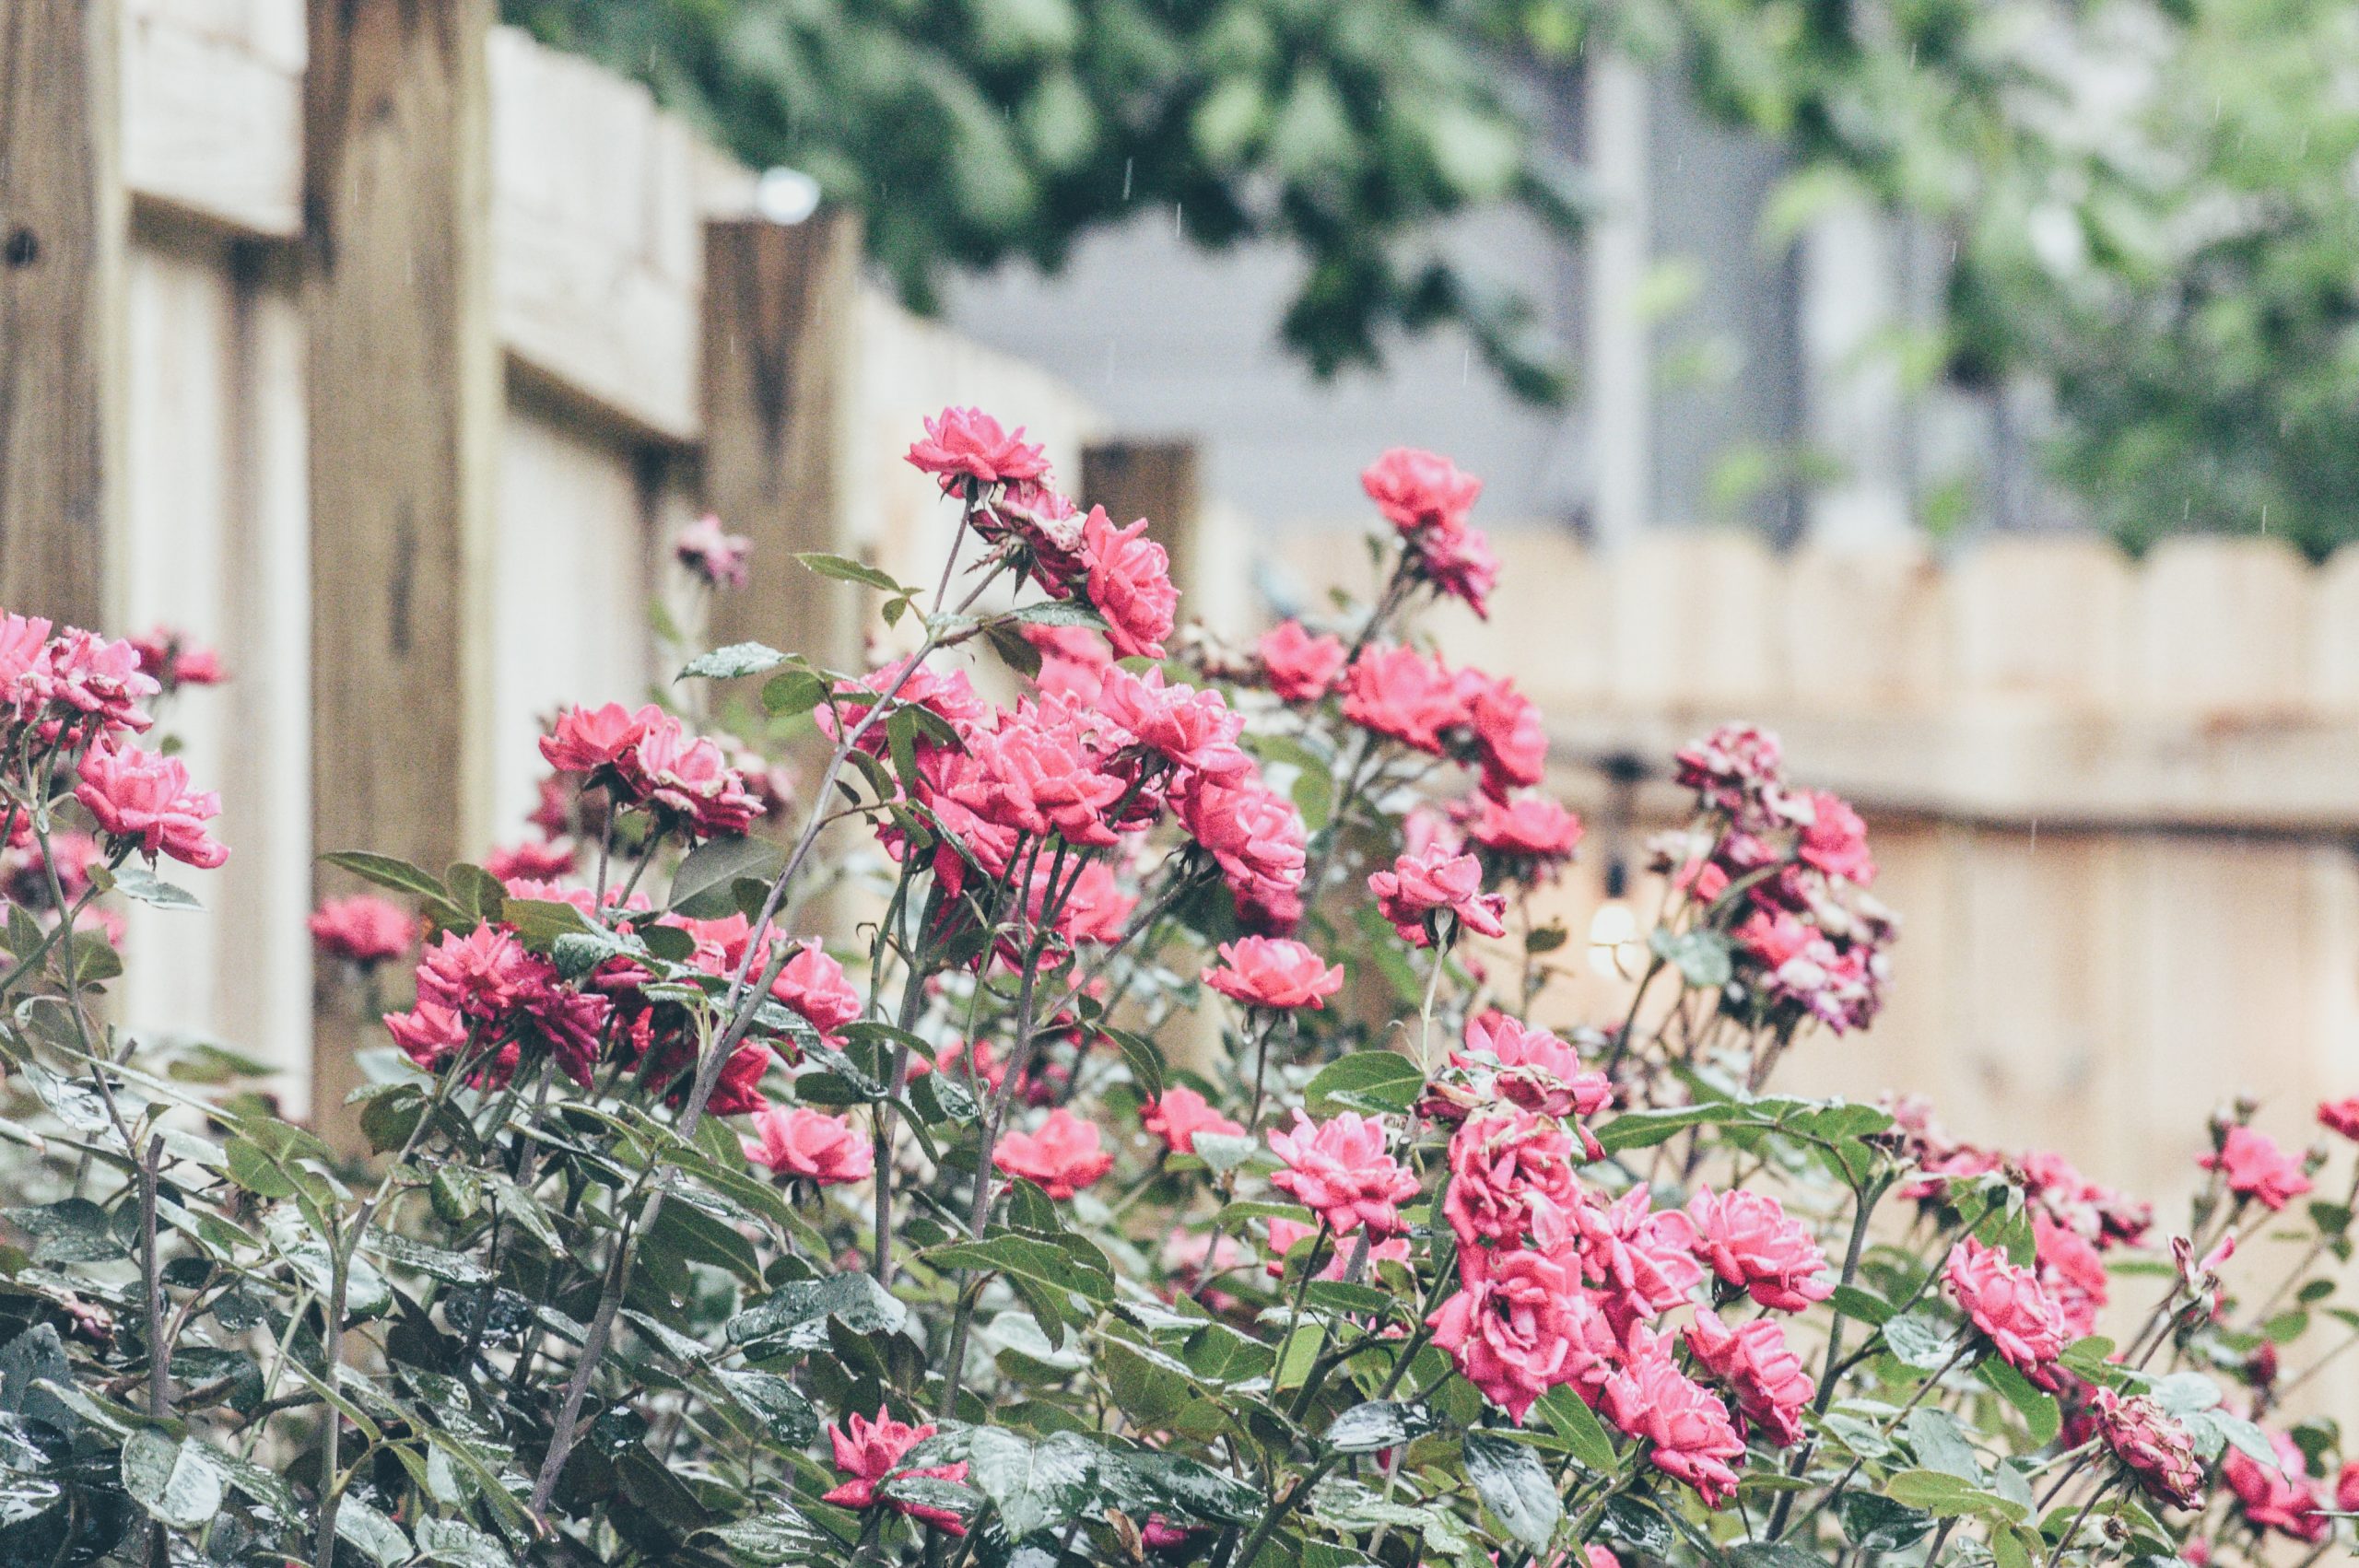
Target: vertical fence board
pixel 2040 622
pixel 62 219
pixel 1864 627
pixel 404 402
pixel 778 305
pixel 2224 627
pixel 1694 623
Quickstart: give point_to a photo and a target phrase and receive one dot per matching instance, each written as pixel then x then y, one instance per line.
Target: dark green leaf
pixel 737 659
pixel 1515 1486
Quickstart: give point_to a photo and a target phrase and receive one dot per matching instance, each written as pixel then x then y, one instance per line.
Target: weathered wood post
pixel 405 403
pixel 779 304
pixel 63 217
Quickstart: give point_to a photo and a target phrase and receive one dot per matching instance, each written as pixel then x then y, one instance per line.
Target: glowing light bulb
pixel 1613 940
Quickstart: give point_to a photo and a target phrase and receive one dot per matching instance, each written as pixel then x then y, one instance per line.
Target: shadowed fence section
pixel 2116 802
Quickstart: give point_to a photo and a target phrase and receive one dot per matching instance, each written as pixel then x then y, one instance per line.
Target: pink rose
pixel 1061 1157
pixel 1458 563
pixel 1419 887
pixel 1273 972
pixel 1514 1327
pixel 1343 1170
pixel 718 558
pixel 139 797
pixel 1836 840
pixel 1748 1241
pixel 1192 729
pixel 1299 666
pixel 2152 1445
pixel 814 984
pixel 870 1453
pixel 688 779
pixel 2280 1497
pixel 1771 1387
pixel 2257 1168
pixel 1397 691
pixel 967 444
pixel 1130 582
pixel 1737 770
pixel 1534 1069
pixel 806 1144
pixel 1417 490
pixel 1640 1258
pixel 1531 832
pixel 1042 774
pixel 1688 1430
pixel 2069 1266
pixel 171 660
pixel 1506 1170
pixel 2341 1115
pixel 1178 1114
pixel 2023 1323
pixel 541 861
pixel 363 929
pixel 1257 838
pixel 584 739
pixel 1511 743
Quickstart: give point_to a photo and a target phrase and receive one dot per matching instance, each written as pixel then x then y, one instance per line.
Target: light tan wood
pixel 62 222
pixel 780 319
pixel 403 414
pixel 214 121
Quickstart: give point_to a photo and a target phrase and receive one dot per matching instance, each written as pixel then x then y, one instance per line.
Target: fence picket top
pixel 1692 618
pixel 2223 629
pixel 1865 627
pixel 2334 633
pixel 2041 621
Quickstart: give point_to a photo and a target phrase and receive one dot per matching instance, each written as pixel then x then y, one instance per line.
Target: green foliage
pixel 972 132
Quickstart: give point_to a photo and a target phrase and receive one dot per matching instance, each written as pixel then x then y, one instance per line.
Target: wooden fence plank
pixel 2223 629
pixel 1694 618
pixel 61 238
pixel 404 406
pixel 780 303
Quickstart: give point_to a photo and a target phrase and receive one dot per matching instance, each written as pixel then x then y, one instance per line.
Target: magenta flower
pixel 1343 1170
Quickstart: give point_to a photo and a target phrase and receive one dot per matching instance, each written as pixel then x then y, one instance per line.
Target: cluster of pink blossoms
pixel 1427 498
pixel 76 695
pixel 1092 773
pixel 646 758
pixel 1123 574
pixel 1797 864
pixel 1561 1284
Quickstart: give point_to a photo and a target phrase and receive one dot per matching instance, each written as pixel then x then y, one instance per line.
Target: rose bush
pixel 1178 1153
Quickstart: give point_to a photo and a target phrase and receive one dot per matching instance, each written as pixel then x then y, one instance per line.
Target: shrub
pixel 960 1241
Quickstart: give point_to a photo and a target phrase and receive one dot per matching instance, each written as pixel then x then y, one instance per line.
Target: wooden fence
pixel 384 350
pixel 2115 803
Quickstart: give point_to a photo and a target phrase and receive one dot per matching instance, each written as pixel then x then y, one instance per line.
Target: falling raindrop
pixel 1128 164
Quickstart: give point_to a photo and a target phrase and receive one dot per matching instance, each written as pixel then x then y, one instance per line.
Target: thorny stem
pixel 1965 1349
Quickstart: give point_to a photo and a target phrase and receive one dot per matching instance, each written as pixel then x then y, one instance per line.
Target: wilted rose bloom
pixel 1691 1436
pixel 1459 562
pixel 1533 1068
pixel 2280 1497
pixel 1437 882
pixel 1178 1114
pixel 721 559
pixel 1273 972
pixel 1750 1242
pixel 144 799
pixel 800 1141
pixel 1344 1170
pixel 1417 490
pixel 1734 768
pixel 870 1453
pixel 1771 1387
pixel 2152 1445
pixel 2257 1168
pixel 1062 1156
pixel 2341 1115
pixel 2023 1323
pixel 961 444
pixel 363 929
pixel 1130 582
pixel 1300 667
